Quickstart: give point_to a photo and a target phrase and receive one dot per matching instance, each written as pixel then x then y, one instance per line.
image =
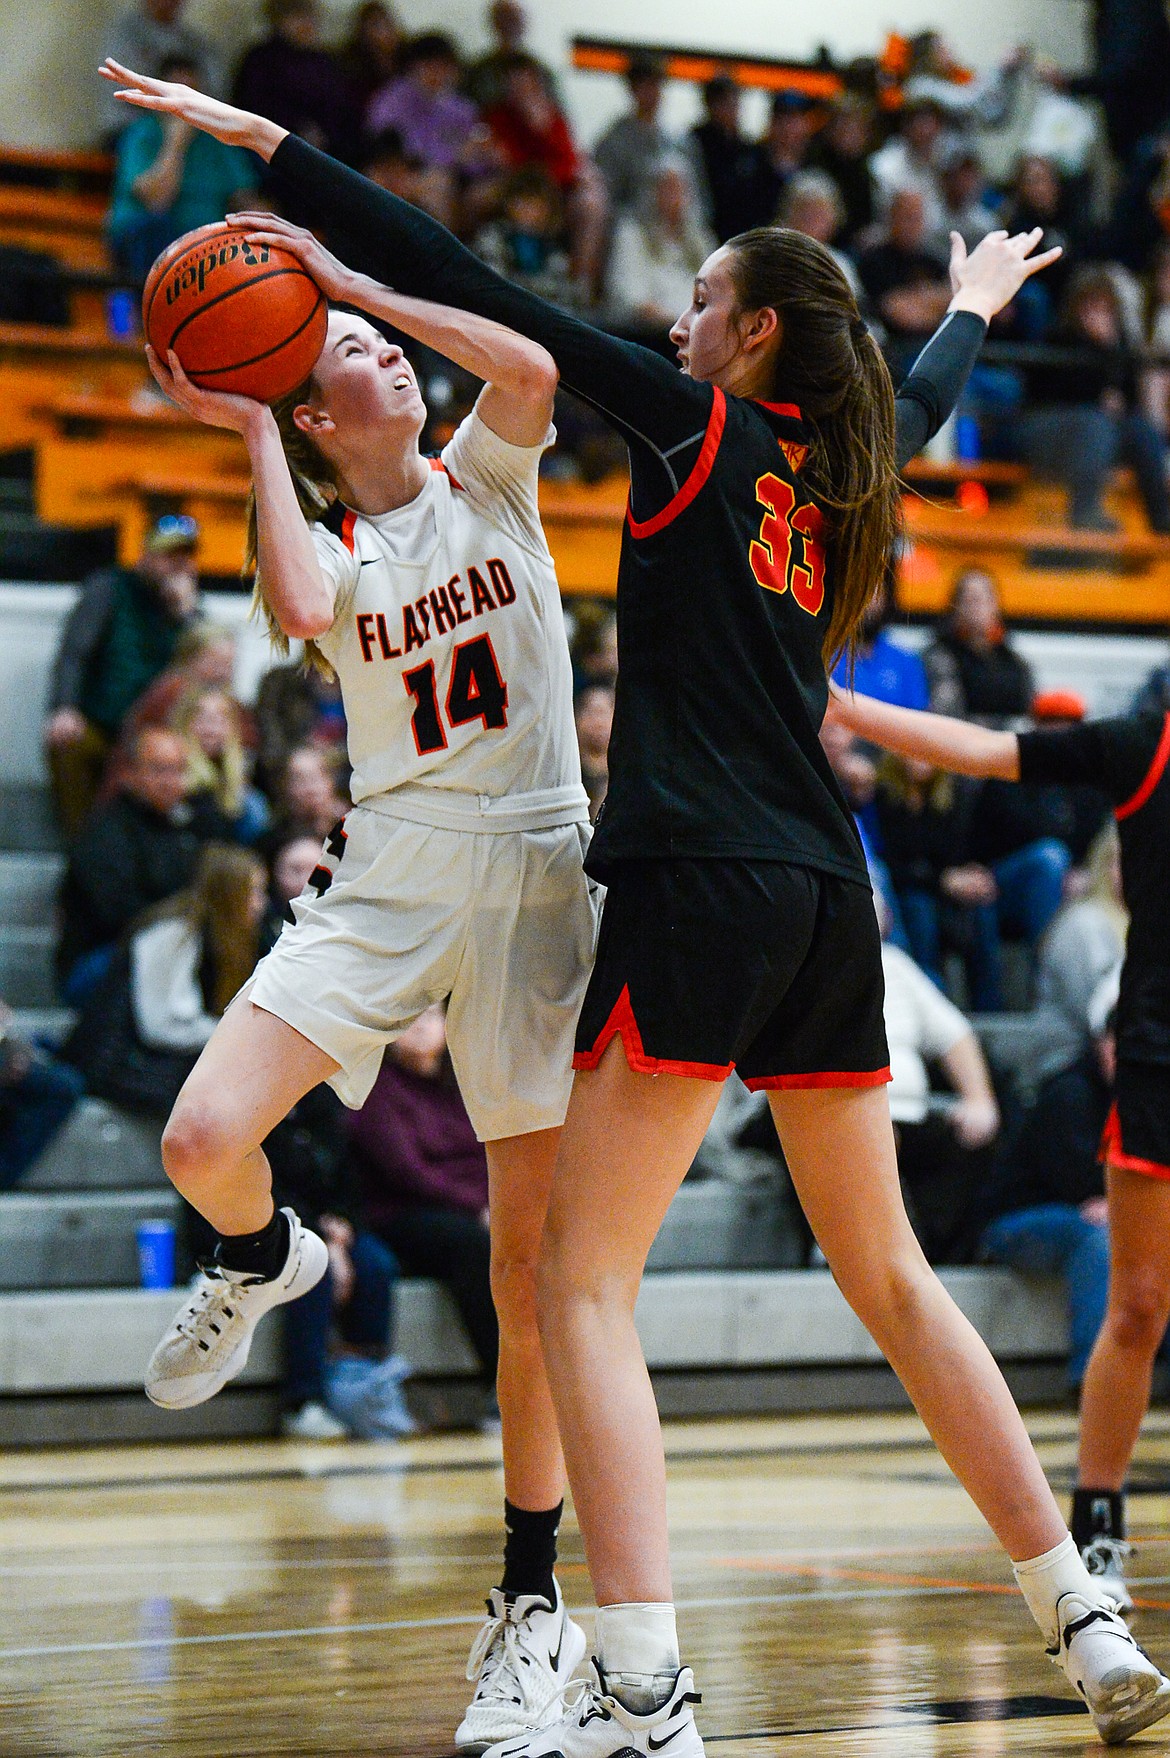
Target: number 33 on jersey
pixel 448 638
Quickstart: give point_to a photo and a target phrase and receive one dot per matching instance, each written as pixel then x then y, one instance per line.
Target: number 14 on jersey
pixel 476 692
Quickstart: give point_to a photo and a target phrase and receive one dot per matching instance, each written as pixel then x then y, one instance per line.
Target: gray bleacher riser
pixel 58 1239
pixel 28 889
pixel 698 1320
pixel 713 1224
pixel 100 1148
pixel 26 966
pixel 27 820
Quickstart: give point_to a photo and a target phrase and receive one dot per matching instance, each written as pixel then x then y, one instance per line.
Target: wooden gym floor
pixel 837 1594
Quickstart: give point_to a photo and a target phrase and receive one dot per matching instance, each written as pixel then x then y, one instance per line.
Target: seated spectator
pixel 594 644
pixel 1084 945
pixel 485 79
pixel 291 866
pixel 593 718
pixel 1010 815
pixel 1038 198
pixel 1084 413
pixel 963 182
pixel 424 1177
pixel 1157 335
pixel 438 126
pixel 386 162
pixel 525 241
pixel 632 146
pixel 292 80
pixel 908 284
pixel 1154 695
pixel 728 159
pixel 963 98
pixel 307 800
pixel 842 149
pixel 209 723
pixel 37 1093
pixel 145 36
pixel 141 847
pixel 120 635
pixel 170 178
pixel 658 250
pixel 910 162
pixel 142 1027
pixel 369 56
pixel 882 668
pixel 781 152
pixel 296 705
pixel 812 204
pixel 205 658
pixel 944 1149
pixel 972 668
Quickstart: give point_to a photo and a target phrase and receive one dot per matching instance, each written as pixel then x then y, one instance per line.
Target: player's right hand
pixel 234 127
pixel 336 281
pixel 215 408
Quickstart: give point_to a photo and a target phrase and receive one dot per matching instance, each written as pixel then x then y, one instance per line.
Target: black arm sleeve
pixel 84 628
pixel 936 381
pixel 1113 754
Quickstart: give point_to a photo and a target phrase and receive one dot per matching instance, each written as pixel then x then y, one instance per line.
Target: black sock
pixel 530 1551
pixel 258 1254
pixel 1097 1513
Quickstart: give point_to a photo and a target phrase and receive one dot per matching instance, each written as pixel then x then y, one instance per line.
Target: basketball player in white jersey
pixel 428 587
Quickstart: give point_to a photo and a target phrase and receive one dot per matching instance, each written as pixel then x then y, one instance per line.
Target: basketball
pixel 240 318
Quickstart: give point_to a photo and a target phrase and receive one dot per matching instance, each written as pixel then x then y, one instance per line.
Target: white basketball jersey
pixel 449 646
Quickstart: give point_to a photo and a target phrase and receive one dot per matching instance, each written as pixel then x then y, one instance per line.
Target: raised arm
pixel 957 745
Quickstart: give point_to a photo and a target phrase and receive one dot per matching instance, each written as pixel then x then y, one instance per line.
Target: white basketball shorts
pixel 503 924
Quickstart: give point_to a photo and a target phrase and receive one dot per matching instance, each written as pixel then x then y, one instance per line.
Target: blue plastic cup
pixel 156 1254
pixel 121 314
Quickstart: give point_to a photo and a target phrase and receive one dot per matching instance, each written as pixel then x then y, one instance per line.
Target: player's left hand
pixel 991 276
pixel 335 280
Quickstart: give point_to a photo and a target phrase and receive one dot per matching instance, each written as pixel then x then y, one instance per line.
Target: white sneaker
pixel 521 1662
pixel 1123 1688
pixel 1104 1557
pixel 595 1725
pixel 208 1343
pixel 312 1422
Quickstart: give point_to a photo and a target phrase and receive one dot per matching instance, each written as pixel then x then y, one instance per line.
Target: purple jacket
pixel 433 128
pixel 305 91
pixel 415 1145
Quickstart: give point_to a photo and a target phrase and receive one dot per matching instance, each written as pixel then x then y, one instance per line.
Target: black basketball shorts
pixel 708 965
pixel 1137 1132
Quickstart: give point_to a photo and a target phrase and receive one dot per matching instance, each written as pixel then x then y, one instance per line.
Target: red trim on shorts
pixel 349 520
pixel 679 502
pixel 438 464
pixel 1111 1150
pixel 621 1022
pixel 780 408
pixel 1153 777
pixel 871 1077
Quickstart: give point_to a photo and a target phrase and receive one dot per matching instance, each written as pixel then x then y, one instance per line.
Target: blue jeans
pixel 32 1110
pixel 1080 444
pixel 1031 887
pixel 364 1322
pixel 978 942
pixel 1054 1239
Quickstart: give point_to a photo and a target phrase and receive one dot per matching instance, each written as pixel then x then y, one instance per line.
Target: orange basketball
pixel 240 318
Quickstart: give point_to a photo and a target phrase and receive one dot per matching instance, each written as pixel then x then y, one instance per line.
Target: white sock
pixel 637 1650
pixel 1042 1581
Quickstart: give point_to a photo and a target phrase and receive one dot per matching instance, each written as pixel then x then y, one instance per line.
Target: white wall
pixel 48 47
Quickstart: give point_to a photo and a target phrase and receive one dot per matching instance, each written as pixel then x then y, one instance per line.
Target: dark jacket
pixel 415 1145
pixel 117 639
pixel 994 686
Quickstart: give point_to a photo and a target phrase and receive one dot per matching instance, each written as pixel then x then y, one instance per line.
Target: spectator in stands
pixel 291 866
pixel 729 160
pixel 658 249
pixel 963 182
pixel 205 658
pixel 170 178
pixel 165 988
pixel 907 283
pixel 369 55
pixel 1084 413
pixel 881 667
pixel 485 79
pixel 37 1093
pixel 1157 335
pixel 439 127
pixel 292 80
pixel 1154 694
pixel 632 146
pixel 526 240
pixel 386 162
pixel 308 801
pixel 424 1177
pixel 812 204
pixel 139 848
pixel 1131 72
pixel 121 634
pixel 594 645
pixel 910 162
pixel 1084 946
pixel 944 1149
pixel 842 149
pixel 973 670
pixel 1037 198
pixel 210 724
pixel 146 36
pixel 782 152
pixel 593 717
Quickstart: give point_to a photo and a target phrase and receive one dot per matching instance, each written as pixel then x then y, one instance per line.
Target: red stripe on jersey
pixel 347 525
pixel 1112 1153
pixel 1153 776
pixel 873 1077
pixel 694 482
pixel 622 1022
pixel 780 408
pixel 438 464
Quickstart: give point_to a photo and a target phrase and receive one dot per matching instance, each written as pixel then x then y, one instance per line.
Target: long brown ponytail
pixel 830 366
pixel 315 483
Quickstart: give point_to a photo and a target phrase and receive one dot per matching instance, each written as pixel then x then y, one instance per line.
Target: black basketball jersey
pixel 1128 757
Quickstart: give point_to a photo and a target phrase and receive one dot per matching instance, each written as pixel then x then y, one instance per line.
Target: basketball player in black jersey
pixel 1129 759
pixel 739 927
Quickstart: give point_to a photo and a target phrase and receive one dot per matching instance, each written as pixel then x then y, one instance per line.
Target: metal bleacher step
pixel 76 1239
pixel 100 1148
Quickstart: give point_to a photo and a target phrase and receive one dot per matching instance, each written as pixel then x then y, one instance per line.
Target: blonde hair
pixel 216 908
pixel 1101 865
pixel 226 777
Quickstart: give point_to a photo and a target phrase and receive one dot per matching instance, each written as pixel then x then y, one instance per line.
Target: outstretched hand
pixel 335 280
pixel 214 408
pixel 234 127
pixel 991 276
